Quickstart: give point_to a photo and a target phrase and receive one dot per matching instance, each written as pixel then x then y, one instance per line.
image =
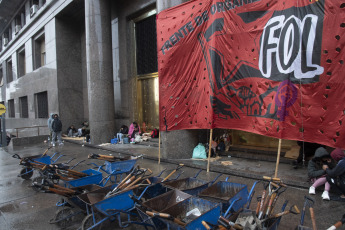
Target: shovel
pixel 167 177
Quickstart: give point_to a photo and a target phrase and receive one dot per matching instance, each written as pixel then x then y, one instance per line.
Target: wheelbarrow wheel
pixel 37 183
pixel 88 222
pixel 64 217
pixel 26 173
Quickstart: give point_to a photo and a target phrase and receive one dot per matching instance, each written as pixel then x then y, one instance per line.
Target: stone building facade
pixel 84 60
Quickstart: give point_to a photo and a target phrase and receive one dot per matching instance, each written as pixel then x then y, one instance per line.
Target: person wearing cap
pixel 336 176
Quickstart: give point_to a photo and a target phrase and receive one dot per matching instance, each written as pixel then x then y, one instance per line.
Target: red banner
pixel 274 68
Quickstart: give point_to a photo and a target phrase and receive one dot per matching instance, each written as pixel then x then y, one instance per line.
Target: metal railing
pixel 32 127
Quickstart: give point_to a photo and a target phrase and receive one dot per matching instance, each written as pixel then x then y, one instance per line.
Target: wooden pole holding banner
pixel 209 151
pixel 159 148
pixel 278 157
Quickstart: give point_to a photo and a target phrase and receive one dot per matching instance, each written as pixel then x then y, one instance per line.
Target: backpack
pixel 154 133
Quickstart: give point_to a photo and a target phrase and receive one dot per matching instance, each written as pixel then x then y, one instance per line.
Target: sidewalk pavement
pixel 240 165
pixel 22 208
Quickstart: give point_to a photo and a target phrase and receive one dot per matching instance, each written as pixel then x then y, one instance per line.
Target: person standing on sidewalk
pixel 57 130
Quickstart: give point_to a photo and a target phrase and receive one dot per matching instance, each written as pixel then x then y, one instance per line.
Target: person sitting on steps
pixel 134 129
pixel 317 174
pixel 123 131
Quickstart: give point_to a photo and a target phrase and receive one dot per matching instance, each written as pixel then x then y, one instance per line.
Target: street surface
pixel 21 208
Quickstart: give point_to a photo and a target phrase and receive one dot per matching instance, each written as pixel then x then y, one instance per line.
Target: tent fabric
pixel 270 67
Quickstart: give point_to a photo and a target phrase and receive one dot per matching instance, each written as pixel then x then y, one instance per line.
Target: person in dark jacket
pixel 317 174
pixel 57 129
pixel 336 176
pixel 72 131
pixel 123 131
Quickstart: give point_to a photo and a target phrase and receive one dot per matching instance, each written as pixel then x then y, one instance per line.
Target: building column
pixel 99 70
pixel 180 143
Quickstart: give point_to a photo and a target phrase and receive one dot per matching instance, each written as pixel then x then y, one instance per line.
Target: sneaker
pixel 312 190
pixel 325 195
pixel 61 143
pixel 53 145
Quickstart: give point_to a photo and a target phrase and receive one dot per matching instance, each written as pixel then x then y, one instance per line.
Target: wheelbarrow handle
pixel 161 172
pixel 16 156
pixel 197 174
pixel 251 194
pixel 214 180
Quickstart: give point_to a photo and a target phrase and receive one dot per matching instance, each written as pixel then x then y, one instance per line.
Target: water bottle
pixel 48 138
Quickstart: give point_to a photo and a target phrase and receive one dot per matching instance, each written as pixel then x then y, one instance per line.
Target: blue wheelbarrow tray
pixel 191 185
pixel 119 167
pixel 75 201
pixel 209 212
pixel 166 200
pixel 97 200
pixel 94 177
pixel 225 192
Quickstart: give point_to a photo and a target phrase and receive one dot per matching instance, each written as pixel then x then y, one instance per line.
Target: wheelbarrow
pixel 190 185
pixel 159 204
pixel 225 192
pixel 189 214
pixel 101 208
pixel 116 168
pixel 70 206
pixel 35 162
pixel 157 188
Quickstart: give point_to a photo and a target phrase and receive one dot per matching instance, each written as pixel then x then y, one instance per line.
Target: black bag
pixel 155 133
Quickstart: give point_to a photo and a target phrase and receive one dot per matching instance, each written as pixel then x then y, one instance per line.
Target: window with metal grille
pixel 9 71
pixel 146 45
pixel 41 105
pixel 39 50
pixel 21 62
pixel 23 106
pixel 11 112
pixel 1 77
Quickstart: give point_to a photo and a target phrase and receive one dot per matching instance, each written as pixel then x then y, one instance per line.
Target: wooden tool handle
pixel 230 223
pixel 163 215
pixel 63 188
pixel 281 214
pixel 45 152
pixel 80 174
pixel 312 216
pixel 205 225
pixel 125 183
pixel 134 182
pixel 258 207
pixel 124 180
pixel 271 178
pixel 338 224
pixel 167 177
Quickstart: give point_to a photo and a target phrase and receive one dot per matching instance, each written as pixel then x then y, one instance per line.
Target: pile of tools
pixel 263 217
pixel 138 177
